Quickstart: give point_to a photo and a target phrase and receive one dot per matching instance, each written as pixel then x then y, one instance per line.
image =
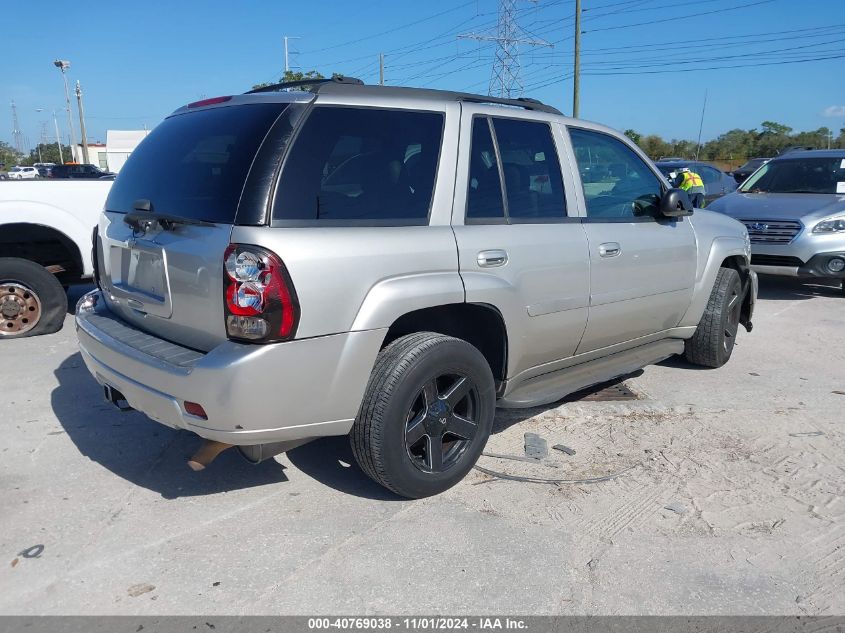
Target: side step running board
pixel 551 387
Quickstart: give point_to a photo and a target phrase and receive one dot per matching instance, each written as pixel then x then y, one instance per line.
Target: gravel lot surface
pixel 729 499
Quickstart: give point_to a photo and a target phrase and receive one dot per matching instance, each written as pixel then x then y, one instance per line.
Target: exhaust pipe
pixel 257 453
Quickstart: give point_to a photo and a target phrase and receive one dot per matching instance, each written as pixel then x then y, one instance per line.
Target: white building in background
pixel 121 143
pixel 113 153
pixel 96 155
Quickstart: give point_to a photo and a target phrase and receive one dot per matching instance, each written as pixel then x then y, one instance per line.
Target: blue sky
pixel 139 61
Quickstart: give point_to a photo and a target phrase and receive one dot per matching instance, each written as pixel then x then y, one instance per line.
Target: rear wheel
pixel 32 301
pixel 715 337
pixel 426 414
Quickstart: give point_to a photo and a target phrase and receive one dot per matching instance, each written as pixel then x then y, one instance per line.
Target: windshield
pixel 194 165
pixel 801 175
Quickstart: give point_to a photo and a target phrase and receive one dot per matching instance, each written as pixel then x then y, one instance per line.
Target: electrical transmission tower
pixel 505 80
pixel 16 130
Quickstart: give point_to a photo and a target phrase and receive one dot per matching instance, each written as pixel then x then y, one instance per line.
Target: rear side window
pixel 533 183
pixel 194 165
pixel 484 196
pixel 361 165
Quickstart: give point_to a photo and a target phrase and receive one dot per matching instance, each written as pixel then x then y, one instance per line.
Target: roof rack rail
pixel 520 102
pixel 335 79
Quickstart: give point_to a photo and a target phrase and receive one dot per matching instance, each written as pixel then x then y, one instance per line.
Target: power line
pixel 685 16
pixel 392 30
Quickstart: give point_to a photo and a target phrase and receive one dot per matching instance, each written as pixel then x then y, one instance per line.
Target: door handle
pixel 610 249
pixel 493 258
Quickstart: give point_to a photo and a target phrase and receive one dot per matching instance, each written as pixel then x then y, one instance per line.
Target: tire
pixel 32 301
pixel 715 337
pixel 407 406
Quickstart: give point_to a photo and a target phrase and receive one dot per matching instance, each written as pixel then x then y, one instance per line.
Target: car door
pixel 714 184
pixel 642 266
pixel 521 247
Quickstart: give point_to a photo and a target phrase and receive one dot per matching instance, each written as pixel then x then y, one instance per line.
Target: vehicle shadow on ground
pixel 329 460
pixel 141 451
pixel 792 289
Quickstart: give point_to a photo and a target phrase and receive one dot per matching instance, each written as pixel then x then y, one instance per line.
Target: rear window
pixel 194 165
pixel 361 165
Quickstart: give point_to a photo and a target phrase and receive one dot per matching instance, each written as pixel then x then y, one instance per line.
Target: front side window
pixel 361 164
pixel 617 182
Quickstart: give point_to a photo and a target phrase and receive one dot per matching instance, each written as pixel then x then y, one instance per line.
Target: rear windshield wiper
pixel 143 217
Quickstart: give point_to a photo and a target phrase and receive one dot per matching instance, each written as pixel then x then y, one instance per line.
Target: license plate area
pixel 139 277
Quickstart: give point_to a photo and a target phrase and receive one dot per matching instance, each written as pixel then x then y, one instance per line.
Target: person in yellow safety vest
pixel 692 183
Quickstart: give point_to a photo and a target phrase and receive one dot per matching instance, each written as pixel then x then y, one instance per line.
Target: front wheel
pixel 426 414
pixel 32 301
pixel 715 337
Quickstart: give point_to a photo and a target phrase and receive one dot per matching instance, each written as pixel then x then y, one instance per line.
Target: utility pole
pixel 505 79
pixel 381 69
pixel 63 65
pixel 576 75
pixel 85 158
pixel 58 138
pixel 16 130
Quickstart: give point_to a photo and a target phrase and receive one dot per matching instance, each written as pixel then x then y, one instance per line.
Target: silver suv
pixel 391 264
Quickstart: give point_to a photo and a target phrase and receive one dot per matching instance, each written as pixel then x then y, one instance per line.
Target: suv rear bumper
pixel 252 394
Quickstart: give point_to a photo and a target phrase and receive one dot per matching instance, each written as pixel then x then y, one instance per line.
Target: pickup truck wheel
pixel 426 414
pixel 32 301
pixel 715 337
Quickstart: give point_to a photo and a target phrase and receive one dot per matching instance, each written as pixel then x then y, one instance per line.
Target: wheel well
pixel 737 263
pixel 740 265
pixel 480 325
pixel 43 245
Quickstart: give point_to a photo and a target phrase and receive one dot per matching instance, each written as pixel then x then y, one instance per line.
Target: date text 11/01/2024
pixel 418 623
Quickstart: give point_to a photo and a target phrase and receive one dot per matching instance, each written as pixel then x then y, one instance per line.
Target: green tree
pixel 774 138
pixel 291 75
pixel 9 156
pixel 633 135
pixel 654 146
pixel 49 154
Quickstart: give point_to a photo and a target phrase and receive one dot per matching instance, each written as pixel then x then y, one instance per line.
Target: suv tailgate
pixel 167 277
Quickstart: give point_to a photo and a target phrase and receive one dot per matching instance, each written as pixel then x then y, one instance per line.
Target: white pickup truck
pixel 45 246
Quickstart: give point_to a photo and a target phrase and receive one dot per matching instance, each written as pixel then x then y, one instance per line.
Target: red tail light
pixel 260 301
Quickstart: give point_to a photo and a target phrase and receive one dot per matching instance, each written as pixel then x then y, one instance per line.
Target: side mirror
pixel 675 203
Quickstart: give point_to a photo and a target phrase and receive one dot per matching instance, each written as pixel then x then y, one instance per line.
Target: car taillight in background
pixel 260 301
